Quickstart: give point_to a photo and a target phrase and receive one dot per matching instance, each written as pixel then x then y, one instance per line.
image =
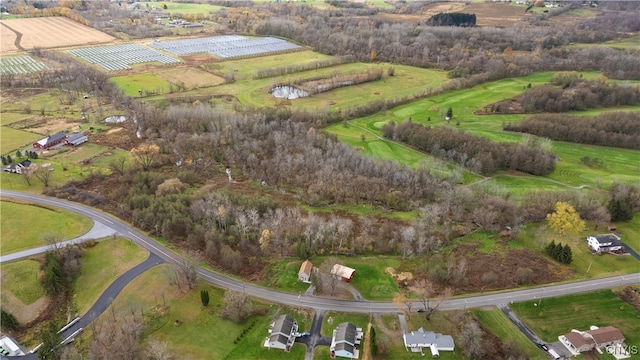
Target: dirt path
pixel 16 43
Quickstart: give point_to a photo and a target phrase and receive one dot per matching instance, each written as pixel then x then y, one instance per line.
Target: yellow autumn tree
pixel 265 239
pixel 565 219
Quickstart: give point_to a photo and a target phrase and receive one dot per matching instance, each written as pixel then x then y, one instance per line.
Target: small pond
pixel 115 119
pixel 288 92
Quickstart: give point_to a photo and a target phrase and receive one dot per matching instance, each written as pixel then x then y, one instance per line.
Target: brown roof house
pixel 597 338
pixel 306 269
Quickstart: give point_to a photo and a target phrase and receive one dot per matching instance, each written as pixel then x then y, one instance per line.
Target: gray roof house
pixel 282 333
pixel 19 167
pixel 604 242
pixel 76 139
pixel 436 342
pixel 345 338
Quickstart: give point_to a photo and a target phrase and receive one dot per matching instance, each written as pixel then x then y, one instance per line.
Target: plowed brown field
pixel 49 32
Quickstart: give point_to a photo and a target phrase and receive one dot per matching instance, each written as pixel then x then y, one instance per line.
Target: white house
pixel 604 243
pixel 282 333
pixel 436 342
pixel 343 272
pixel 345 338
pixel 304 274
pixel 19 168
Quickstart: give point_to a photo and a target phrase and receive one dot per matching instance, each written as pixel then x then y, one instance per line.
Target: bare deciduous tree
pixel 237 306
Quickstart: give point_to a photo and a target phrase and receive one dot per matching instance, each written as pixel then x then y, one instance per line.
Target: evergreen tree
pixel 9 159
pixel 53 280
pixel 4 161
pixel 374 345
pixel 551 248
pixel 556 253
pixel 449 113
pixel 567 255
pixel 620 210
pixel 8 321
pixel 204 297
pixel 18 154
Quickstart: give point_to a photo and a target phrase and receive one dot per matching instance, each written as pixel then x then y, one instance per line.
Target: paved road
pixel 319 304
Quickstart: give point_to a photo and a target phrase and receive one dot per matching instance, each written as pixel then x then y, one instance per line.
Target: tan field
pixel 49 32
pixel 7 39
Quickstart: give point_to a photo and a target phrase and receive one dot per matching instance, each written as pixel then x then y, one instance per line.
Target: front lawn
pixel 498 323
pixel 557 316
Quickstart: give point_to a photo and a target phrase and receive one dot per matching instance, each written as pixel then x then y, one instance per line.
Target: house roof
pixel 52 138
pixel 601 336
pixel 306 267
pixel 425 338
pixel 283 324
pixel 606 334
pixel 25 163
pixel 77 138
pixel 346 347
pixel 346 332
pixel 608 238
pixel 578 340
pixel 342 271
pixel 279 338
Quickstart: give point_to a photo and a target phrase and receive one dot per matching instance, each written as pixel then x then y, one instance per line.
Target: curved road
pixel 161 254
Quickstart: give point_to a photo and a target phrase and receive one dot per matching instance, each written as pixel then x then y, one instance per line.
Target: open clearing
pixel 18 232
pixel 22 294
pixel 7 40
pixel 190 77
pixel 51 32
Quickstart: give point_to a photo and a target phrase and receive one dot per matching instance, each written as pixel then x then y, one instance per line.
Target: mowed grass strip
pixel 498 324
pixel 557 316
pixel 20 232
pixel 21 279
pixel 7 118
pixel 101 265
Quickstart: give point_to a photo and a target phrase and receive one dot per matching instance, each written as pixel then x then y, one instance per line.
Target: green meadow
pixel 557 316
pixel 13 139
pixel 20 278
pixel 499 325
pixel 18 230
pixel 182 8
pixel 145 82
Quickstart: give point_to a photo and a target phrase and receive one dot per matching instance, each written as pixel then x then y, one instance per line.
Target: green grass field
pixel 18 230
pixel 370 279
pixel 20 278
pixel 202 334
pixel 502 327
pixel 182 8
pixel 283 275
pixel 557 316
pixel 333 318
pixel 7 118
pixel 146 82
pixel 101 265
pixel 13 139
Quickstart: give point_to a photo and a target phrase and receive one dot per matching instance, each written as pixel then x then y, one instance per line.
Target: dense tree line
pixel 559 252
pixel 577 95
pixel 479 154
pixel 617 129
pixel 317 85
pixel 452 19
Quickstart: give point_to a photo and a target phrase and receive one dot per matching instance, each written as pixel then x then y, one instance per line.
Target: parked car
pixel 542 345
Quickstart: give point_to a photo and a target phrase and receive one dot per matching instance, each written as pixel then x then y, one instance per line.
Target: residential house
pixel 18 168
pixel 604 243
pixel 50 141
pixel 282 333
pixel 345 338
pixel 436 342
pixel 304 274
pixel 345 273
pixel 76 139
pixel 596 338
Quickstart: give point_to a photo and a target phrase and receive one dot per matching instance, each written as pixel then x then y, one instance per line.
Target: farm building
pixel 18 168
pixel 604 243
pixel 580 341
pixel 305 271
pixel 282 333
pixel 51 140
pixel 345 273
pixel 76 139
pixel 345 338
pixel 416 341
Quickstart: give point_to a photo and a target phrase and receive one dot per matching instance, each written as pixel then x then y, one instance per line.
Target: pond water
pixel 288 92
pixel 115 119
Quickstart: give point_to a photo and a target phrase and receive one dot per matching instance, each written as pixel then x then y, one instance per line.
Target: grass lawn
pixel 202 334
pixel 101 265
pixel 585 264
pixel 283 275
pixel 18 232
pixel 557 316
pixel 182 8
pixel 86 151
pixel 630 232
pixel 333 318
pixel 130 84
pixel 498 323
pixel 21 279
pixel 12 139
pixel 7 118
